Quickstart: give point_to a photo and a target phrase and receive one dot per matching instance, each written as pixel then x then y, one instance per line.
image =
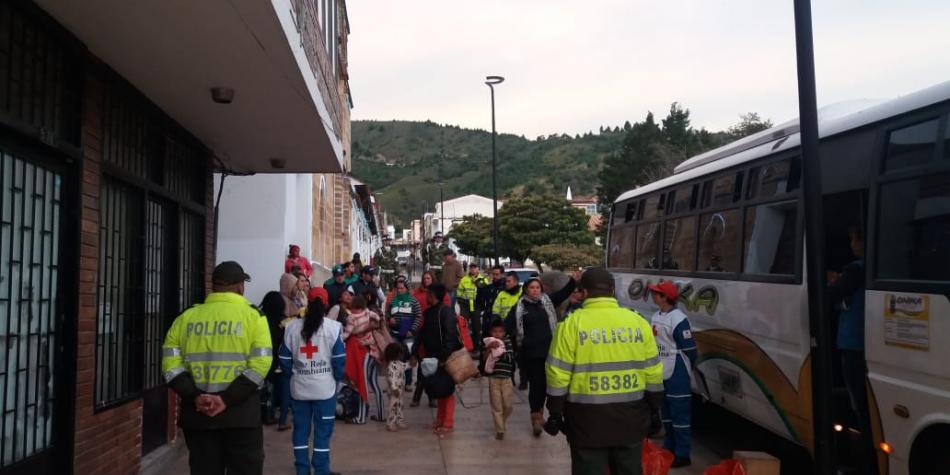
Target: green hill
pixel 406 161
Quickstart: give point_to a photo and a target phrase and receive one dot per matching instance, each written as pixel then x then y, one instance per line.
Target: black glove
pixel 553 425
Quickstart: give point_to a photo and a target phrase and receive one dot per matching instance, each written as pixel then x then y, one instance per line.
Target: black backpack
pixel 347 403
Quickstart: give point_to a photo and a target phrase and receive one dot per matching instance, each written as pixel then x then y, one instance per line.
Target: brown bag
pixel 459 364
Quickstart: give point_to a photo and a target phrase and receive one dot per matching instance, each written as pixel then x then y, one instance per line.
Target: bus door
pixel 845 222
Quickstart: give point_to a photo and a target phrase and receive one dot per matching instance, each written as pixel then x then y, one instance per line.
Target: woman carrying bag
pixel 438 339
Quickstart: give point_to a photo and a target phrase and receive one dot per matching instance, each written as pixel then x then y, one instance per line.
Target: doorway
pixel 34 423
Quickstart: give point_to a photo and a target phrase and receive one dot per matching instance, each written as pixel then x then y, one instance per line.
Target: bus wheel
pixel 929 455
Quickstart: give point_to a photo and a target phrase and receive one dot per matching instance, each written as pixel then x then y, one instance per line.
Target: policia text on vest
pixel 216 356
pixel 604 379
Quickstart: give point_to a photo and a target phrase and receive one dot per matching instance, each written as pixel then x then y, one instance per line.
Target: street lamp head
pixel 492 80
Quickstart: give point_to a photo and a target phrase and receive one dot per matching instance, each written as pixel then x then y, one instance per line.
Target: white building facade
pixel 260 216
pixel 458 208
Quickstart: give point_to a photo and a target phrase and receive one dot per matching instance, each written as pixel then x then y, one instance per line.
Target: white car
pixel 524 273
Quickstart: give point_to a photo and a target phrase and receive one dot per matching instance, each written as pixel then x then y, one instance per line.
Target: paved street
pixel 470 449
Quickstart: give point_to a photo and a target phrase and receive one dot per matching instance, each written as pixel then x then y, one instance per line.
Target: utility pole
pixel 819 320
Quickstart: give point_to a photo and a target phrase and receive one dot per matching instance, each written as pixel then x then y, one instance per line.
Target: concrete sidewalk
pixel 470 449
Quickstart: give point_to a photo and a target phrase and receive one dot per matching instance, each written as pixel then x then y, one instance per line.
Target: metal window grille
pixel 40 79
pixel 120 227
pixel 151 241
pixel 184 173
pixel 29 259
pixel 156 272
pixel 131 133
pixel 191 255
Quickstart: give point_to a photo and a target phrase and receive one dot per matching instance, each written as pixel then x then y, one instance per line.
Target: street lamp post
pixel 491 81
pixel 442 208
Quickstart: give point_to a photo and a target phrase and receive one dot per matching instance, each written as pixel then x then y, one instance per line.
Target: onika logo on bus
pixel 707 297
pixel 909 305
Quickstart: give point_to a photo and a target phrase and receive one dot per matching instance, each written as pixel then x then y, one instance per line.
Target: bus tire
pixel 929 454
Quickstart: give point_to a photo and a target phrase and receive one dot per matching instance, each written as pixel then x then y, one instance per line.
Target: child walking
pixel 395 354
pixel 313 354
pixel 499 365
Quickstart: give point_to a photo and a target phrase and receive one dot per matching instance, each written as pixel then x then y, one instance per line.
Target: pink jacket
pixel 360 326
pixel 496 350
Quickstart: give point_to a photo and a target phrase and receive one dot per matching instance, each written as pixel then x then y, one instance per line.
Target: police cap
pixel 229 272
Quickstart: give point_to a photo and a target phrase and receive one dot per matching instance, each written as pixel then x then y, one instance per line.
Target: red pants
pixel 445 414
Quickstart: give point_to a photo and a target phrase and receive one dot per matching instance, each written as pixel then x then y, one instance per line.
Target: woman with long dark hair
pixel 314 354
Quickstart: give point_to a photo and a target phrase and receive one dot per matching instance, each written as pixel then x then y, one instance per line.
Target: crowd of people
pixel 576 351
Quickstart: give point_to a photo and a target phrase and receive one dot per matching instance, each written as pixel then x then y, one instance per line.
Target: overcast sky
pixel 574 65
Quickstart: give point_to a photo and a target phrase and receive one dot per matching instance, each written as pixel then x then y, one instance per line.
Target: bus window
pixel 752 190
pixel 718 235
pixel 650 207
pixel 911 146
pixel 621 246
pixel 631 212
pixel 723 191
pixel 684 198
pixel 769 242
pixel 914 229
pixel 648 241
pixel 679 244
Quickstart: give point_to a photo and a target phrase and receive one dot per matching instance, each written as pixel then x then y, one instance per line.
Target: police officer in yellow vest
pixel 604 379
pixel 216 356
pixel 465 294
pixel 507 298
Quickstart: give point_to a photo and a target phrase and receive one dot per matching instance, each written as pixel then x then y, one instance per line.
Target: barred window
pixel 152 246
pixel 120 225
pixel 40 80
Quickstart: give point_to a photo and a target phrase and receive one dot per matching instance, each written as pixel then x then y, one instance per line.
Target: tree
pixel 628 167
pixel 531 221
pixel 473 235
pixel 676 128
pixel 568 256
pixel 749 124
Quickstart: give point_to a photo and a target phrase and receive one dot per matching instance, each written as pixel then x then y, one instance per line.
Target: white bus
pixel 727 228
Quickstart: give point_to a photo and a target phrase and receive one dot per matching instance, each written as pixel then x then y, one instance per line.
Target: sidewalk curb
pixel 159 461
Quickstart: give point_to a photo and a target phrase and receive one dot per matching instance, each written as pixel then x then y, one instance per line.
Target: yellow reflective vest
pixel 468 288
pixel 603 354
pixel 217 341
pixel 504 302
